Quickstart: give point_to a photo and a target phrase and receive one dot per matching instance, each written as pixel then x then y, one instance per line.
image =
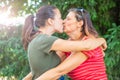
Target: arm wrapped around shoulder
pixel 89 44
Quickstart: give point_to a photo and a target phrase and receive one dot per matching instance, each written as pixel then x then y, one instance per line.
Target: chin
pixel 65 31
pixel 60 31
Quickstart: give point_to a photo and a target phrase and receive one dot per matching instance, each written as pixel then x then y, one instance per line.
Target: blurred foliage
pixel 105 15
pixel 13 59
pixel 112 58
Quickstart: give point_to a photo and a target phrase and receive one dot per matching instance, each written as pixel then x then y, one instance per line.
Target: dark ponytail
pixel 28 31
pixel 43 13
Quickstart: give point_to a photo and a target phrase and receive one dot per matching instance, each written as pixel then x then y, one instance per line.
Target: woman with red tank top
pixel 81 28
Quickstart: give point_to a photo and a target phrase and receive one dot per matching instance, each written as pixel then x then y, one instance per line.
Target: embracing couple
pixel 81 57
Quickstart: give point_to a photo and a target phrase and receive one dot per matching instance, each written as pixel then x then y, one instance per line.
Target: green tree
pixel 105 15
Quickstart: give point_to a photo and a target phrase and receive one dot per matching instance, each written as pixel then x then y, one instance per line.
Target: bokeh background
pixel 14 65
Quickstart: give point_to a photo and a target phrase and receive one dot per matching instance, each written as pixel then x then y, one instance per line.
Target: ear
pixel 50 21
pixel 80 23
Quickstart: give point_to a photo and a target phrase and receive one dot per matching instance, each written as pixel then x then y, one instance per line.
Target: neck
pixel 47 30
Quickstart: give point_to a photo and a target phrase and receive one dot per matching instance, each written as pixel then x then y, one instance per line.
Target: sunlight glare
pixel 6 18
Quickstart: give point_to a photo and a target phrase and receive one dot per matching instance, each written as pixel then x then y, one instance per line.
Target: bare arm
pixel 89 44
pixel 66 66
pixel 28 76
pixel 61 55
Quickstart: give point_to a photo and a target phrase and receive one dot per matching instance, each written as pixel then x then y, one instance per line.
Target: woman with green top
pixel 43 48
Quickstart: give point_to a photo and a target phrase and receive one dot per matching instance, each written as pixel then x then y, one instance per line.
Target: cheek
pixel 69 27
pixel 68 23
pixel 59 26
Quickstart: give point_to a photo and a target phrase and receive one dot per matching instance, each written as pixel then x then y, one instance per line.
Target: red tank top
pixel 92 69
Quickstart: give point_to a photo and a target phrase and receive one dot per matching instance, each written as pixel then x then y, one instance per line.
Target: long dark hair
pixel 82 14
pixel 31 22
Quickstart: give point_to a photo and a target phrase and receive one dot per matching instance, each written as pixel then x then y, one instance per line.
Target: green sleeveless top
pixel 40 57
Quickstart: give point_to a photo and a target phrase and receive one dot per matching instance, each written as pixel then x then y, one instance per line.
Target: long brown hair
pixel 31 22
pixel 82 14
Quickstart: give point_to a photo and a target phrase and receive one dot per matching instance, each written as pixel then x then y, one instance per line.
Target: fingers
pixel 104 46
